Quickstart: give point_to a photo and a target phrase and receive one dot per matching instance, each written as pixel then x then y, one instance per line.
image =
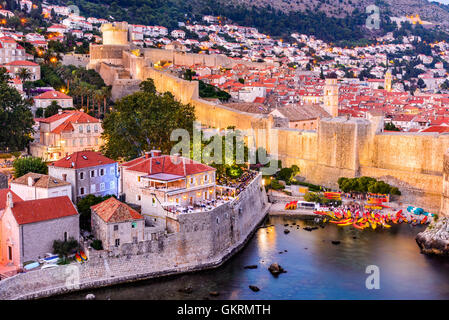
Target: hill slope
pixel 330 20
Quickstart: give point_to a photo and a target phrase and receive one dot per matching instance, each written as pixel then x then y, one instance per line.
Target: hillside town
pixel 79 188
pixel 410 90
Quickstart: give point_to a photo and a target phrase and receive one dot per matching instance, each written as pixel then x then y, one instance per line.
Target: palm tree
pixel 24 74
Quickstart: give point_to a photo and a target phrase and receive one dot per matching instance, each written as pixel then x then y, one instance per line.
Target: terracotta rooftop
pixel 21 63
pixel 52 95
pixel 43 209
pixel 296 112
pixel 3 193
pixel 113 211
pixel 40 180
pixel 82 159
pixel 168 165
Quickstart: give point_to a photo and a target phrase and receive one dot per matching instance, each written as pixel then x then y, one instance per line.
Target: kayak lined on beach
pixel 366 219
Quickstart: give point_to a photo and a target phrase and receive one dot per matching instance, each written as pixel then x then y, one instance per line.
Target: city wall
pixel 204 240
pixel 189 59
pixel 340 147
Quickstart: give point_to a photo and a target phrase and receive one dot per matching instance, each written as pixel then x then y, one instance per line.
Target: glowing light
pixel 53 59
pixel 23 20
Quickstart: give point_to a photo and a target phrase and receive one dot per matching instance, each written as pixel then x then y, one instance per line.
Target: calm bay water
pixel 316 268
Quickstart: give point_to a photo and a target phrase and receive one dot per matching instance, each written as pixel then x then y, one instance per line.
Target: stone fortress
pixel 340 146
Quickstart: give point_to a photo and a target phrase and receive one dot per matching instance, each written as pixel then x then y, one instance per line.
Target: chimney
pixel 59 111
pixel 9 202
pixel 155 153
pixel 147 155
pixel 64 176
pixel 30 181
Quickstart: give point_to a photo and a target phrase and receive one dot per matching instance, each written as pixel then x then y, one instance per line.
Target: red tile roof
pixel 3 193
pixel 43 209
pixel 52 95
pixel 439 129
pixel 75 116
pixel 83 159
pixel 21 63
pixel 112 210
pixel 167 164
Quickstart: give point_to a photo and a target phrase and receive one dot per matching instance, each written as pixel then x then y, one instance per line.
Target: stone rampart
pixel 205 240
pixel 340 146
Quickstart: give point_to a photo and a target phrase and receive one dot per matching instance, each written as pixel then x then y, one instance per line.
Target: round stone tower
pixel 115 33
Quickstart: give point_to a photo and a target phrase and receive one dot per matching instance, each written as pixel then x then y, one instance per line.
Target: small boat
pixel 49 265
pixel 31 266
pixel 83 256
pixel 78 258
pixel 49 258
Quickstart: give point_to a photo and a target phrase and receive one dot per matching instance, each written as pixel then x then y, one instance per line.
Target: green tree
pixel 64 248
pixel 16 118
pixel 83 207
pixel 145 120
pixel 52 109
pixel 24 74
pixel 29 164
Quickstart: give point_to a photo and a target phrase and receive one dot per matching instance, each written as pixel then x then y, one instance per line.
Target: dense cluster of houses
pixel 37 209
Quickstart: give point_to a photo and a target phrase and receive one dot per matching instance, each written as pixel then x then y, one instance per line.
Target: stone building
pixel 302 117
pixel 115 223
pixel 32 186
pixel 67 132
pixel 155 181
pixel 45 99
pixel 28 228
pixel 88 172
pixel 14 67
pixel 10 50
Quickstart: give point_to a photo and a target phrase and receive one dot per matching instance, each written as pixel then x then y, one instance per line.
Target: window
pixel 133 225
pixel 206 178
pixel 135 239
pixel 95 128
pixel 92 188
pixel 92 173
pixel 117 242
pixel 138 197
pixel 102 186
pixel 81 190
pixel 65 236
pixel 88 128
pixel 96 141
pixel 9 252
pixel 138 179
pixel 81 174
pixel 112 185
pixel 116 227
pixel 192 180
pixel 80 129
pixel 101 172
pixel 112 170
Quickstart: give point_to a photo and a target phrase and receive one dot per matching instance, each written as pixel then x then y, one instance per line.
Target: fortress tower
pixel 387 84
pixel 331 95
pixel 115 33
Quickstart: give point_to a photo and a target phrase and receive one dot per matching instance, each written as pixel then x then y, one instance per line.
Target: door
pixel 9 253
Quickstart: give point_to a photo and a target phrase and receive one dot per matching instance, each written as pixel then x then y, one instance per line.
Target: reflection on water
pixel 316 268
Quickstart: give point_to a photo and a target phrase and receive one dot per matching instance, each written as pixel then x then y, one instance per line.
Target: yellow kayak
pixel 344 224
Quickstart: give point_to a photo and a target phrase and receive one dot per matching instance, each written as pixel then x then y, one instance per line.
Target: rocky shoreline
pixel 435 239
